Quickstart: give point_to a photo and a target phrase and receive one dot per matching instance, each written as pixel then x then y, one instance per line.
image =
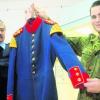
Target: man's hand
pixel 93 85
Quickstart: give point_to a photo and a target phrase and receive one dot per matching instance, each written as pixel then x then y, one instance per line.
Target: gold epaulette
pixel 55 28
pixel 49 21
pixel 19 31
pixel 13 43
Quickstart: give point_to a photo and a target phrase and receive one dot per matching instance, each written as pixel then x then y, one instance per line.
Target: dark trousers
pixel 3 88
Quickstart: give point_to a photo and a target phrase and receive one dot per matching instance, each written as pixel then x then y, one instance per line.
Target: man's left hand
pixel 93 85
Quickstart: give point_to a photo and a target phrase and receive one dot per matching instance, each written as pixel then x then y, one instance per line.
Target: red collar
pixel 33 26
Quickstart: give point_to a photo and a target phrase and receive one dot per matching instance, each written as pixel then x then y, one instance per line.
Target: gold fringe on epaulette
pixel 13 43
pixel 18 32
pixel 55 28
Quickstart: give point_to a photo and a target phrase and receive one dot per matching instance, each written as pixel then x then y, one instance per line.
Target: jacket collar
pixel 33 24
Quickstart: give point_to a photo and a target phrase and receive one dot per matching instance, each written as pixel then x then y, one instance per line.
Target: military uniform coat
pixel 49 43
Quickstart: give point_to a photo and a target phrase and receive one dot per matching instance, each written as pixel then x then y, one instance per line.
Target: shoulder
pixel 49 21
pixel 18 32
pixel 56 28
pixel 13 42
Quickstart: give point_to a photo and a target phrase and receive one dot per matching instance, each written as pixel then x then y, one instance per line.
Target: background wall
pixel 62 11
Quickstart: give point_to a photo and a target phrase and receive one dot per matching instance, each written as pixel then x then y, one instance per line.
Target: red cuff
pixel 85 76
pixel 10 97
pixel 77 77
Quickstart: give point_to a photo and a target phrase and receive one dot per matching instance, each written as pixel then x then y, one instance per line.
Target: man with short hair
pixel 93 85
pixel 4 54
pixel 88 48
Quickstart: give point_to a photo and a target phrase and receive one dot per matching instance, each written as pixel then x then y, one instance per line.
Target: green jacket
pixel 88 48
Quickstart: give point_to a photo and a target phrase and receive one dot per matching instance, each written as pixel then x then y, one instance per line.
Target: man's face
pixel 2 34
pixel 95 17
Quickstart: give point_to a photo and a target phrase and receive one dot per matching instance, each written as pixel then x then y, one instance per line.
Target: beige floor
pixel 64 86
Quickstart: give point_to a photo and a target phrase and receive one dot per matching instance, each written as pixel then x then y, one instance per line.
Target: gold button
pixel 32 46
pixel 33 59
pixel 77 74
pixel 79 79
pixel 33 35
pixel 33 72
pixel 32 52
pixel 75 68
pixel 33 66
pixel 32 40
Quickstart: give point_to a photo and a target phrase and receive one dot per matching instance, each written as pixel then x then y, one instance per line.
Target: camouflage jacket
pixel 88 48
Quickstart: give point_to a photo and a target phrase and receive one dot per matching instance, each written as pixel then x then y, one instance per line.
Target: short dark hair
pixel 96 3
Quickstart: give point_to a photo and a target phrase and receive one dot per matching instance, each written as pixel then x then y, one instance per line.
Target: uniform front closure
pixel 33 55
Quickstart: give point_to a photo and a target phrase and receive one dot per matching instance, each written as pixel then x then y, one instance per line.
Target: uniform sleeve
pixel 69 60
pixel 11 70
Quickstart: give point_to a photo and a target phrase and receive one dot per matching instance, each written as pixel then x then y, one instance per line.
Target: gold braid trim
pixel 13 43
pixel 19 31
pixel 55 28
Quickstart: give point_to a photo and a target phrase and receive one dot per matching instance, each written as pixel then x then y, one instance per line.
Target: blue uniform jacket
pixel 25 85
